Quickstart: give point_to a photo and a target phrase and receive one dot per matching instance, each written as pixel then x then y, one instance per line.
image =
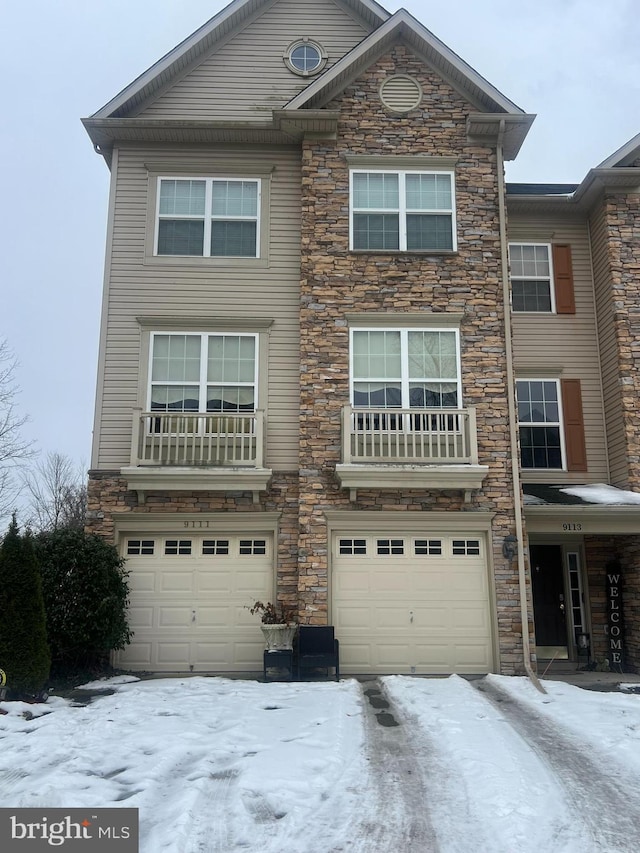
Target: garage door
pixel 188 602
pixel 411 603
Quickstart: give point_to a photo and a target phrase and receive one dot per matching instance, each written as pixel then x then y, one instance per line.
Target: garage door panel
pixel 215 617
pixel 176 582
pixel 469 618
pixel 391 617
pixel 142 581
pixel 141 616
pixel 173 617
pixel 188 602
pixel 137 654
pixel 350 616
pixel 424 608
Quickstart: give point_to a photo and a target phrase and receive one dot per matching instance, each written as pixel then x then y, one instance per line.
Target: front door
pixel 549 601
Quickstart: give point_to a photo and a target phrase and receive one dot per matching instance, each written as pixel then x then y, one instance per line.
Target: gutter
pixel 511 401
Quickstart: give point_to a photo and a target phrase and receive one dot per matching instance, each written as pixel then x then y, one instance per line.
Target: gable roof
pixel 194 48
pixel 403 25
pixel 624 156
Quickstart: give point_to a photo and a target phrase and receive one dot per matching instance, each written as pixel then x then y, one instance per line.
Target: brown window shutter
pixel 563 279
pixel 573 425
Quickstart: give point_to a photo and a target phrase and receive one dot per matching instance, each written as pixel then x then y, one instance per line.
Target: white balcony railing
pixel 197 439
pixel 409 436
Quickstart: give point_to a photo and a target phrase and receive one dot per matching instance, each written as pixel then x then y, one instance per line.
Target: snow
pixel 215 764
pixel 600 493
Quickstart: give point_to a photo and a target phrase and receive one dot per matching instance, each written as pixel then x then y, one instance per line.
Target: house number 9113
pixel 571 526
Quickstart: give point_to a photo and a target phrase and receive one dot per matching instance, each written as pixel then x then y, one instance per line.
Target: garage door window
pixel 217 547
pixel 466 547
pixel 428 547
pixel 390 546
pixel 177 547
pixel 253 547
pixel 140 547
pixel 353 547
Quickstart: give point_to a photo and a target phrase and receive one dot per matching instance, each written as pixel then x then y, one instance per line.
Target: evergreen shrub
pixel 85 592
pixel 24 653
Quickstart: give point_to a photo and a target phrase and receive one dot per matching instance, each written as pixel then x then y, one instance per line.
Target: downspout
pixel 511 402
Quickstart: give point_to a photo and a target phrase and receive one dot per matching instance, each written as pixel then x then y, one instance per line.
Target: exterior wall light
pixel 509 547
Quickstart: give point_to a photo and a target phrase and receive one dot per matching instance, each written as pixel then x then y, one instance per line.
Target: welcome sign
pixel 614 616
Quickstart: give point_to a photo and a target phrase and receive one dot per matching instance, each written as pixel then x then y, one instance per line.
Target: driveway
pixel 390 766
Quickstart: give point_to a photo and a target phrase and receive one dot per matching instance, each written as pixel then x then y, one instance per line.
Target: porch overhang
pixel 581 520
pixel 390 476
pixel 147 478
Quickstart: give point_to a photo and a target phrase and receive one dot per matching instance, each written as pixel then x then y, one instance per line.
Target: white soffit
pixel 625 155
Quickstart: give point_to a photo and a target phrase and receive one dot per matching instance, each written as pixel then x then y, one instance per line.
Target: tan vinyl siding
pixel 247 77
pixel 183 291
pixel 608 351
pixel 564 345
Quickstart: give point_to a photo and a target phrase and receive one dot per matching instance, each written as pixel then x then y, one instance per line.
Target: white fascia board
pixel 392 27
pixel 628 150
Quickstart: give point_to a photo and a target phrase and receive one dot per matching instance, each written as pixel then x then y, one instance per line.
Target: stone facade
pixel 622 217
pixel 336 282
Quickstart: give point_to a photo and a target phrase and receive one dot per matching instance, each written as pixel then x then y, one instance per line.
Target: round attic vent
pixel 400 93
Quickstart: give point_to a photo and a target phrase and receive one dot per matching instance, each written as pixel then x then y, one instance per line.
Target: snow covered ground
pixel 215 764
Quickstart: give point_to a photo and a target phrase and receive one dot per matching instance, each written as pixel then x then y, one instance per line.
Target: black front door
pixel 549 600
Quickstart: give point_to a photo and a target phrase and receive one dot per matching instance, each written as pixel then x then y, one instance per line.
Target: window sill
pixel 191 261
pixel 403 254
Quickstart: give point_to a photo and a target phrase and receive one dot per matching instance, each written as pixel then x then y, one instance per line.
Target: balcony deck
pixel 203 451
pixel 410 448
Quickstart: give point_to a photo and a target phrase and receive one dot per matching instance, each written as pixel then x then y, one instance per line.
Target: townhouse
pixel 345 365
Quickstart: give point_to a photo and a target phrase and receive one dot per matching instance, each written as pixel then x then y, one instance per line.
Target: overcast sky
pixel 575 63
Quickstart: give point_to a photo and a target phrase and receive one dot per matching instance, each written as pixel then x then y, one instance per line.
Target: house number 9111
pixel 571 526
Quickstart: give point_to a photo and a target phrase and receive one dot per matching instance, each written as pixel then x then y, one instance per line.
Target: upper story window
pixel 208 217
pixel 405 368
pixel 539 417
pixel 531 277
pixel 305 57
pixel 402 211
pixel 541 278
pixel 203 373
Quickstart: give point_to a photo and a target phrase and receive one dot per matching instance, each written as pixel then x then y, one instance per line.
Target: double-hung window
pixel 405 368
pixel 540 419
pixel 403 211
pixel 531 277
pixel 203 373
pixel 208 217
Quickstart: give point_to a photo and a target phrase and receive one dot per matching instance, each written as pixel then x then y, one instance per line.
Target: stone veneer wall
pixel 629 551
pixel 108 497
pixel 335 282
pixel 622 217
pixel 599 550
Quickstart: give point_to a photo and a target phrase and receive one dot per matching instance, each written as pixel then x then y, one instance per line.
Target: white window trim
pixel 404 359
pixel 208 217
pixel 560 422
pixel 552 290
pixel 403 210
pixel 202 381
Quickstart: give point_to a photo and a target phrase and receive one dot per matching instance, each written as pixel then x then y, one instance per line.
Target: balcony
pixel 410 449
pixel 184 451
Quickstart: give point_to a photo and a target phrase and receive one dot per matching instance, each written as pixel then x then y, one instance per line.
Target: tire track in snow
pixel 608 805
pixel 396 817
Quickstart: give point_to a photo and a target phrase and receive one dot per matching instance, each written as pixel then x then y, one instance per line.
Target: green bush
pixel 85 593
pixel 24 653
